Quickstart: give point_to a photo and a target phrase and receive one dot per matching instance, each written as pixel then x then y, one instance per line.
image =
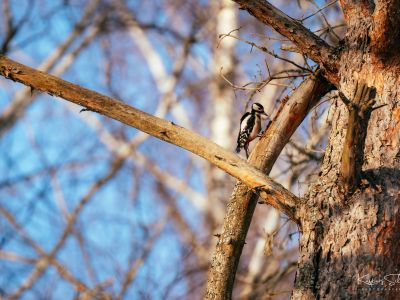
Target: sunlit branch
pixel 272 192
pixel 165 82
pixel 128 149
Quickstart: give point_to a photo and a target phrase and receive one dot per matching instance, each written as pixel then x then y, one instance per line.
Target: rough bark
pixel 385 36
pixel 361 8
pixel 349 242
pixel 243 201
pixel 269 190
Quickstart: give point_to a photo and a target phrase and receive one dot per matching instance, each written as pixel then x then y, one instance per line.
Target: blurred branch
pixel 308 43
pixel 165 82
pixel 272 192
pixel 24 98
pixel 11 30
pixel 122 148
pixel 269 282
pixel 290 48
pixel 49 258
pixel 11 256
pixel 186 233
pixel 12 27
pixel 135 264
pixel 43 262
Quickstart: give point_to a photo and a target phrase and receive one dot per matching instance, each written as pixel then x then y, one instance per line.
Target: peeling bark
pixel 360 108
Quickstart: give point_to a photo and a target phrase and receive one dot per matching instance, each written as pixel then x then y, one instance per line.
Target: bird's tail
pixel 238 148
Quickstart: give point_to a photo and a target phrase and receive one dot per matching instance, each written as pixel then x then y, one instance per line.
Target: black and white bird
pixel 250 127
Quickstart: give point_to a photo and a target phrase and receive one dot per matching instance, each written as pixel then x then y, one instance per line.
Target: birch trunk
pixel 222 99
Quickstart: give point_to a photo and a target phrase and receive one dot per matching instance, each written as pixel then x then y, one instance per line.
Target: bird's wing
pixel 240 124
pixel 244 117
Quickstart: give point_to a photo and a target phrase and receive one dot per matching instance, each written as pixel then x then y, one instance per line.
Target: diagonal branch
pixel 243 201
pixel 306 41
pixel 272 192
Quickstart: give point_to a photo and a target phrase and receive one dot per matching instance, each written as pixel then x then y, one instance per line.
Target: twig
pixel 321 9
pixel 265 49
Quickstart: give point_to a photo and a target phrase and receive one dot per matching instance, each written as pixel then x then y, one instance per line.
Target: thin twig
pixel 321 9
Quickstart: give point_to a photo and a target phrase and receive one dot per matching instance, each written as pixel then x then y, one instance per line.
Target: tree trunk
pixel 350 238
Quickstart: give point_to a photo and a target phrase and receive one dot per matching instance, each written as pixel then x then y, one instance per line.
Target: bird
pixel 250 127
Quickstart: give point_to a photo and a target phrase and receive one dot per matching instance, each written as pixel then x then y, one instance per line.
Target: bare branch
pixel 272 192
pixel 319 10
pixel 290 48
pixel 125 149
pixel 41 263
pixel 266 50
pixel 135 264
pixel 308 43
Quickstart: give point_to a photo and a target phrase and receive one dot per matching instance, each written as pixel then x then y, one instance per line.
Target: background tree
pixel 97 210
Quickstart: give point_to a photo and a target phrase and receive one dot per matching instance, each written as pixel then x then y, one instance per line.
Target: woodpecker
pixel 250 126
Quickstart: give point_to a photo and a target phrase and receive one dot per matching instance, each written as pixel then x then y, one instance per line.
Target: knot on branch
pixel 10 72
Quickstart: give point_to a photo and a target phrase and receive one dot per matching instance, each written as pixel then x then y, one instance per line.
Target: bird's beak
pixel 264 115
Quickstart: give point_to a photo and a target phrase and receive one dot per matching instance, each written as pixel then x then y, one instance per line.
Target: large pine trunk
pixel 351 237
